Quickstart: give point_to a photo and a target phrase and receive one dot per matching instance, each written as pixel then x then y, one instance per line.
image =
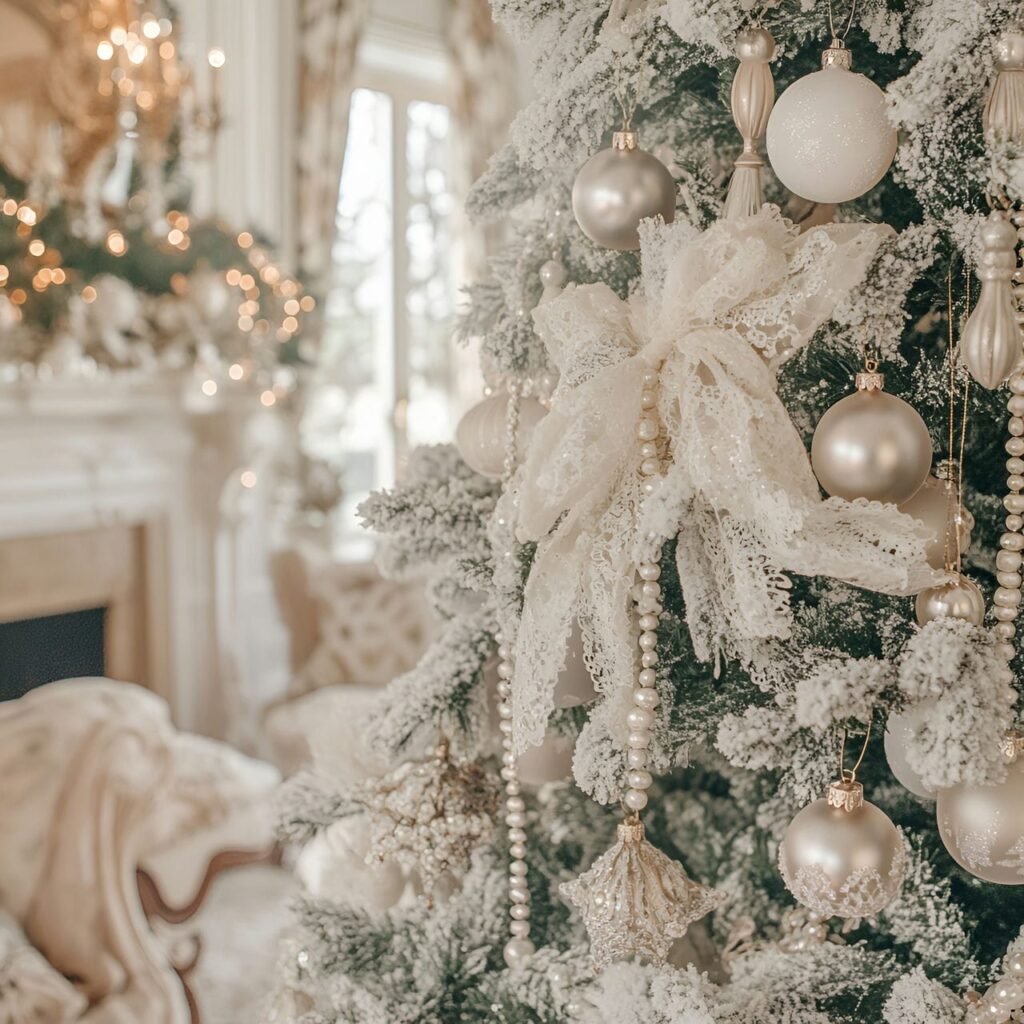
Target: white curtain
pixel 329 35
pixel 485 99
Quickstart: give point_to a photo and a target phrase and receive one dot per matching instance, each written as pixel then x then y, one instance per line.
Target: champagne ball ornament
pixel 829 139
pixel 619 187
pixel 960 598
pixel 871 445
pixel 480 435
pixel 936 506
pixel 982 827
pixel 841 856
pixel 900 728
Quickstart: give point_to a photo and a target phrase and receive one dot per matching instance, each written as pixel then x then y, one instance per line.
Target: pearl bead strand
pixel 1007 598
pixel 648 607
pixel 519 948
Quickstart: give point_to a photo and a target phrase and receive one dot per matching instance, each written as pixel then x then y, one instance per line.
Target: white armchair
pixel 96 780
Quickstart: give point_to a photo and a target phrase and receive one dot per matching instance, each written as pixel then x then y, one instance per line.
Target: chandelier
pixel 91 121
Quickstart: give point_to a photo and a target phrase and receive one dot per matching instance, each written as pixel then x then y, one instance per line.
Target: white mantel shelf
pixel 143 450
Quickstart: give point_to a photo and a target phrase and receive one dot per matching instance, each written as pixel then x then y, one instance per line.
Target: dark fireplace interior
pixel 51 647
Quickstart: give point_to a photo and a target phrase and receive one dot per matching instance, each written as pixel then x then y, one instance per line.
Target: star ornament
pixel 636 901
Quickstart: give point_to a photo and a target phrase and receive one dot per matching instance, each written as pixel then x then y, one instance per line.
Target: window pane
pixel 348 421
pixel 429 299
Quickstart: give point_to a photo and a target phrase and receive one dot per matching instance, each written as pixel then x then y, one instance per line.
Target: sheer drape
pixel 485 99
pixel 329 33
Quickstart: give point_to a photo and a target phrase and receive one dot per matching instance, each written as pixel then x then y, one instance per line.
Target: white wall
pixel 249 181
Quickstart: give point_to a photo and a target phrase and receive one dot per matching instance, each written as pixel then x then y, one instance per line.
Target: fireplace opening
pixel 50 647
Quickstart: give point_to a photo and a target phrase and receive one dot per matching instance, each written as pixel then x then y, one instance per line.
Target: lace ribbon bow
pixel 718 311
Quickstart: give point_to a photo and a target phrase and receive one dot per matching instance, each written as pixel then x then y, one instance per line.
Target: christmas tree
pixel 796 792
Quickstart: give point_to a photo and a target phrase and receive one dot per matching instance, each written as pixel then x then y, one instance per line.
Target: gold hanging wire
pixel 850 774
pixel 849 23
pixel 955 484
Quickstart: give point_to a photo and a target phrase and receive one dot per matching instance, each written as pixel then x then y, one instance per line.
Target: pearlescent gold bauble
pixel 958 599
pixel 619 187
pixel 842 856
pixel 481 433
pixel 900 728
pixel 943 517
pixel 871 445
pixel 983 827
pixel 829 138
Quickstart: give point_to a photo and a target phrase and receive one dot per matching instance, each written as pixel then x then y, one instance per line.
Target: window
pixel 388 365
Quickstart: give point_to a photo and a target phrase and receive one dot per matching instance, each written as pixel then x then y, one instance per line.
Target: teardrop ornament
pixel 991 343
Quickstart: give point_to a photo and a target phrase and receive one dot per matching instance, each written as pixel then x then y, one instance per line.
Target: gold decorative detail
pixel 430 815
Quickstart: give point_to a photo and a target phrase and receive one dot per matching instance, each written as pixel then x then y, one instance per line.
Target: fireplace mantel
pixel 78 457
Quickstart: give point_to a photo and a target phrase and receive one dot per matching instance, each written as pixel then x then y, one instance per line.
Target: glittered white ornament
pixel 480 435
pixel 900 728
pixel 842 856
pixel 871 445
pixel 829 139
pixel 960 598
pixel 982 827
pixel 936 506
pixel 619 187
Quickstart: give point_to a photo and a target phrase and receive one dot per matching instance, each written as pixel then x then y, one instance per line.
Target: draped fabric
pixel 716 312
pixel 485 99
pixel 329 36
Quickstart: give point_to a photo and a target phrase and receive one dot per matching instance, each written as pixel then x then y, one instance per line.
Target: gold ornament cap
pixel 1011 744
pixel 624 140
pixel 870 380
pixel 837 55
pixel 845 795
pixel 631 832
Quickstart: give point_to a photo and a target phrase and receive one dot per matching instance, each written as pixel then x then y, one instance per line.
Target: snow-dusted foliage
pixel 748 723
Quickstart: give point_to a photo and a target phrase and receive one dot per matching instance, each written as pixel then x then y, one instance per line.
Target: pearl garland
pixel 1007 598
pixel 648 606
pixel 1004 997
pixel 519 948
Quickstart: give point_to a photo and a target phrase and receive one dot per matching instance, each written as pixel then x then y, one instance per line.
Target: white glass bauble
pixel 983 827
pixel 209 292
pixel 829 139
pixel 617 188
pixel 480 435
pixel 116 304
pixel 335 866
pixel 943 517
pixel 842 856
pixel 901 727
pixel 871 445
pixel 575 685
pixel 960 598
pixel 550 761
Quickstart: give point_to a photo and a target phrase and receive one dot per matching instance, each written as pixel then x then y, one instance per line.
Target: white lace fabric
pixel 718 310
